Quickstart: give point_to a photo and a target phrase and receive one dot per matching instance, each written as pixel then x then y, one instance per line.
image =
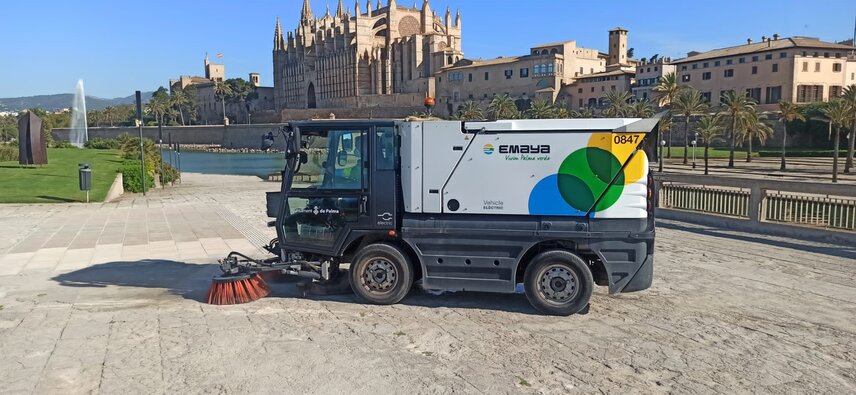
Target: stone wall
pixel 232 136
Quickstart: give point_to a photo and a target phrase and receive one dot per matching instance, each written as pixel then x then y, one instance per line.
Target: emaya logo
pixel 488 149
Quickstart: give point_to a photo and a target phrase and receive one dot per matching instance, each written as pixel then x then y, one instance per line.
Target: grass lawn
pixel 58 181
pixel 678 152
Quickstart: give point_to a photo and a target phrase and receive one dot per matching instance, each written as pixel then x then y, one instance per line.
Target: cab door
pixel 384 194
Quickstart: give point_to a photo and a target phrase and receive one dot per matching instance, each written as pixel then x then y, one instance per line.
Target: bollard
pixel 84 174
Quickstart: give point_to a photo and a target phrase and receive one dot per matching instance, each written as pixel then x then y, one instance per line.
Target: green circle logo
pixel 584 177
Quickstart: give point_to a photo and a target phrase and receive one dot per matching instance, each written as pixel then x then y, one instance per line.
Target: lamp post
pixel 662 145
pixel 694 143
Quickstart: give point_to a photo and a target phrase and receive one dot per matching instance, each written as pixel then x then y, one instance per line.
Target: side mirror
pixel 266 144
pixel 304 158
pixel 342 158
pixel 347 142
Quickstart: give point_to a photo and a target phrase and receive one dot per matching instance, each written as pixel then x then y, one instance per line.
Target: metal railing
pixel 723 201
pixel 808 204
pixel 811 210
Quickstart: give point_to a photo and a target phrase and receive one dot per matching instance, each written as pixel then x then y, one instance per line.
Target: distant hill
pixel 63 100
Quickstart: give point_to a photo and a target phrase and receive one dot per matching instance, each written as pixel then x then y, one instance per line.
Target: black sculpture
pixel 31 145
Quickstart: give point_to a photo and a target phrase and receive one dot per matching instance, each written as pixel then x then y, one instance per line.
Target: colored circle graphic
pixel 488 149
pixel 635 169
pixel 585 175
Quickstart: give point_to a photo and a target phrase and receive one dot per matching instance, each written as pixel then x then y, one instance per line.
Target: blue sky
pixel 117 47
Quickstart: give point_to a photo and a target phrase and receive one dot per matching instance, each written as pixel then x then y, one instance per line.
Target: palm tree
pixel 849 97
pixel 583 112
pixel 790 112
pixel 222 91
pixel 178 99
pixel 470 111
pixel 709 129
pixel 158 106
pixel 838 114
pixel 687 103
pixel 617 103
pixel 540 109
pixel 641 109
pixel 667 89
pixel 736 106
pixel 753 127
pixel 502 107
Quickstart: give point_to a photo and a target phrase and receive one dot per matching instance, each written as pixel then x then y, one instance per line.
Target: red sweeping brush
pixel 242 288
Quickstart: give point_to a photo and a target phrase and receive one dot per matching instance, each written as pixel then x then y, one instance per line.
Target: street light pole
pixel 142 148
pixel 695 143
pixel 662 145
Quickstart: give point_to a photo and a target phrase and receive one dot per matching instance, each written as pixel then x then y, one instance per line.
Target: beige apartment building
pixel 797 69
pixel 590 90
pixel 649 72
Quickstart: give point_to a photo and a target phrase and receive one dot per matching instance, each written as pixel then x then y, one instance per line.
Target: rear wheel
pixel 558 283
pixel 381 274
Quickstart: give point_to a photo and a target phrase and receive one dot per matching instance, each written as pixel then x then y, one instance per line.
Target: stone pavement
pixel 105 298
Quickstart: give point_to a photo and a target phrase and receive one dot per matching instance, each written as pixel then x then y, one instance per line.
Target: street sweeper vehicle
pixel 557 205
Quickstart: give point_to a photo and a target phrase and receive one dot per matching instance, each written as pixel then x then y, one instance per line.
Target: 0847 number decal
pixel 625 139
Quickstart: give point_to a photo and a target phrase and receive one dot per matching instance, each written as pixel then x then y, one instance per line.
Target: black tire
pixel 381 274
pixel 558 283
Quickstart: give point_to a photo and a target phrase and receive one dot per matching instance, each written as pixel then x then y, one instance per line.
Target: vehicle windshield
pixel 334 160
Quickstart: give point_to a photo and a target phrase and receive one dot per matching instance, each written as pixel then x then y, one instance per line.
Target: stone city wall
pixel 232 136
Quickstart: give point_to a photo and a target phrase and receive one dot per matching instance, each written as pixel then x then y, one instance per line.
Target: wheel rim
pixel 558 284
pixel 380 275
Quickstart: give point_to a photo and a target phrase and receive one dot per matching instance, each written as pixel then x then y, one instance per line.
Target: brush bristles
pixel 237 292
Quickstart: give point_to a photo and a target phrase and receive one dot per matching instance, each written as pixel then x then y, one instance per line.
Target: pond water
pixel 260 165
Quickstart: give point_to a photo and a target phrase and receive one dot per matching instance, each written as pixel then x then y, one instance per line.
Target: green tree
pixel 736 106
pixel 752 127
pixel 178 100
pixel 540 109
pixel 849 97
pixel 618 106
pixel 502 107
pixel 192 103
pixel 709 129
pixel 159 105
pixel 838 114
pixel 470 111
pixel 790 112
pixel 222 91
pixel 583 112
pixel 641 109
pixel 688 102
pixel 667 89
pixel 241 91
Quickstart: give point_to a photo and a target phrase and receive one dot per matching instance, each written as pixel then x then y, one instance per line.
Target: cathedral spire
pixel 357 8
pixel 448 17
pixel 379 5
pixel 277 37
pixel 340 10
pixel 458 18
pixel 369 7
pixel 306 13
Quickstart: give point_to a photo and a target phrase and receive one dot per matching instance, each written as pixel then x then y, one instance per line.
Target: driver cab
pixel 344 185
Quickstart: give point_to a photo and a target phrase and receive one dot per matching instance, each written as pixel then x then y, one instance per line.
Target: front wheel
pixel 381 274
pixel 558 283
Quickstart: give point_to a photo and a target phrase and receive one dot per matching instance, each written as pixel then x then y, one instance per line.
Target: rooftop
pixel 771 45
pixel 606 74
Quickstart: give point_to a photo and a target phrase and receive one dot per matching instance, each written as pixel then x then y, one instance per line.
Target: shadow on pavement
pixel 841 251
pixel 188 280
pixel 191 281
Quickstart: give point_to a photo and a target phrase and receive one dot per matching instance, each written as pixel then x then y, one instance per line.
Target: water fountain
pixel 79 134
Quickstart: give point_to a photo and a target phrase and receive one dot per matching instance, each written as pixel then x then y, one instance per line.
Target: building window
pixel 783 55
pixel 705 75
pixel 695 66
pixel 817 67
pixel 716 63
pixel 471 77
pixel 805 66
pixel 683 68
pixel 685 78
pixel 580 90
pixel 754 69
pixel 550 68
pixel 706 96
pixel 592 89
pixel 775 67
pixel 602 88
pixel 486 76
pixel 836 67
pixel 509 74
pixel 826 54
pixel 729 73
pixel 729 61
pixel 582 71
pixel 742 60
pixel 524 72
pixel 773 94
pixel 809 93
pixel 754 94
pixel 755 58
pixel 835 91
pixel 655 68
pixel 705 65
pixel 768 56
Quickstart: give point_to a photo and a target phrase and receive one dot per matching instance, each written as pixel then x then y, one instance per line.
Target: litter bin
pixel 85 178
